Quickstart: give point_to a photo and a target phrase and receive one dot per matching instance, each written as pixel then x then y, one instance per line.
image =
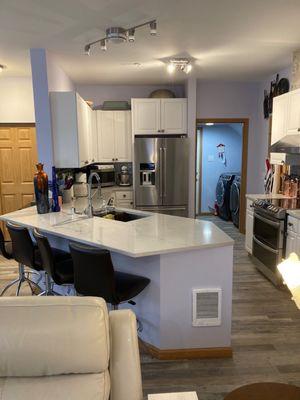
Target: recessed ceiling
pixel 229 39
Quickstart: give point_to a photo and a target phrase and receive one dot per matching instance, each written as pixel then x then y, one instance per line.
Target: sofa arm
pixel 125 368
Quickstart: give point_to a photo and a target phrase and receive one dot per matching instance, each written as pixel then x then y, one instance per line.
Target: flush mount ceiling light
pixel 120 35
pixel 180 64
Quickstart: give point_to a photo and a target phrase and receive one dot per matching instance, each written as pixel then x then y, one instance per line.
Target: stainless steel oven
pixel 268 244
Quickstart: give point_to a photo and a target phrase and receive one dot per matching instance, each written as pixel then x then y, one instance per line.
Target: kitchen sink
pixel 115 215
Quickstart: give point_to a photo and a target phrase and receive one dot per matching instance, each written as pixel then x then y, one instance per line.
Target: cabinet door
pixel 93 136
pixel 249 231
pixel 106 137
pixel 146 116
pixel 174 116
pixel 83 123
pixel 293 119
pixel 279 117
pixel 123 135
pixel 292 244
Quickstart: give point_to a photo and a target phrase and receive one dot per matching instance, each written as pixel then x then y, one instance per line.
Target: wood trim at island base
pixel 185 354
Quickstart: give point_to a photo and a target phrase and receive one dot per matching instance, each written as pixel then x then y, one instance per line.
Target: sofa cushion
pixel 42 336
pixel 63 387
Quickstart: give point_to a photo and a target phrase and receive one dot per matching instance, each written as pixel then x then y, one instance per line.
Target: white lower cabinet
pixel 293 237
pixel 249 226
pixel 124 199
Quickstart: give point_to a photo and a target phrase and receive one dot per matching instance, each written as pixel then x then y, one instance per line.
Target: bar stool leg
pixel 9 285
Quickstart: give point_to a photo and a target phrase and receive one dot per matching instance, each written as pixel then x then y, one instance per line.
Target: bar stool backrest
pixel 2 246
pixel 46 252
pixel 22 245
pixel 93 272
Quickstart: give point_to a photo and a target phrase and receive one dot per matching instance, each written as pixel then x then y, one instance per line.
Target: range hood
pixel 289 144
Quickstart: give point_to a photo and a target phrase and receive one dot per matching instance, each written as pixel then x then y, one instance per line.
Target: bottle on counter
pixel 40 182
pixel 55 200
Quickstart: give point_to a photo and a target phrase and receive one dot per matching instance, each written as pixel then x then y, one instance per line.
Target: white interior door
pixel 123 136
pixel 146 116
pixel 174 116
pixel 106 136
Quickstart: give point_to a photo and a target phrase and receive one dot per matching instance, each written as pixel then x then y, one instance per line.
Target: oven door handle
pixel 265 246
pixel 267 221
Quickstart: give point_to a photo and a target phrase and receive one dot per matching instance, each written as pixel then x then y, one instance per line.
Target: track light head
pixel 87 50
pixel 131 37
pixel 103 45
pixel 153 28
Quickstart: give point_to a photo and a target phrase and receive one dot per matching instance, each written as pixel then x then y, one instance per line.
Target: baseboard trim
pixel 185 354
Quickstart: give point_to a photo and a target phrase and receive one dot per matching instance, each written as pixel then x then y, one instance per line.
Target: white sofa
pixel 67 348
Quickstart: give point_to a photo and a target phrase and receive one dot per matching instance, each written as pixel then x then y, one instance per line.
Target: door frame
pixel 245 123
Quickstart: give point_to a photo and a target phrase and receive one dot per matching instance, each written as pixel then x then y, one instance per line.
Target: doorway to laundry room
pixel 221 163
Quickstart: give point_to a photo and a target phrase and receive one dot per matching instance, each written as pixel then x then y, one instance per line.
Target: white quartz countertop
pixel 266 196
pixel 154 234
pixel 294 213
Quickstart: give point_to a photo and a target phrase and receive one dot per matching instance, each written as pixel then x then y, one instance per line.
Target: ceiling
pixel 229 39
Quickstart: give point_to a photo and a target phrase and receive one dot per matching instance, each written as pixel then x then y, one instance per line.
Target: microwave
pixel 106 174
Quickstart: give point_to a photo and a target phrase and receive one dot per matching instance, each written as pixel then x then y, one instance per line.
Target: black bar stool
pixel 59 269
pixel 23 252
pixel 5 247
pixel 94 275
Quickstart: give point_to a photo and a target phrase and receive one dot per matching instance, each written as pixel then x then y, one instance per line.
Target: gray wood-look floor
pixel 265 337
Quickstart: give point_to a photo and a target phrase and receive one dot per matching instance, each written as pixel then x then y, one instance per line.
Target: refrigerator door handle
pixel 165 171
pixel 161 172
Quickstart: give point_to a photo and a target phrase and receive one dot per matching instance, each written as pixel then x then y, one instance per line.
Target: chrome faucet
pixel 89 209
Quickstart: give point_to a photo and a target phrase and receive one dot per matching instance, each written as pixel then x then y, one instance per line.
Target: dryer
pixel 223 195
pixel 235 200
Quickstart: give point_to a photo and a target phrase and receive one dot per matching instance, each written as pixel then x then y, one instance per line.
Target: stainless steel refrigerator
pixel 161 174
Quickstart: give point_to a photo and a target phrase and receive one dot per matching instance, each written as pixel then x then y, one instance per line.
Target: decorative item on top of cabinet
pixel 114 136
pixel 159 116
pixel 73 130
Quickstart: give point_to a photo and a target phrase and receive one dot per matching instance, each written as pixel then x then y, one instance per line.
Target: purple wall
pixel 236 100
pixel 100 93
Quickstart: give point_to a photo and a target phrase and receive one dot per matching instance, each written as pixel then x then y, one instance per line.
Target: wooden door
pixel 18 156
pixel 174 116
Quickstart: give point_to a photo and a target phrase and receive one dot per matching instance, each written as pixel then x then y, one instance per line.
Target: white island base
pixel 177 255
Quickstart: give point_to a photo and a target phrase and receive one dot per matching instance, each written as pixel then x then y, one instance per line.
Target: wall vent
pixel 207 305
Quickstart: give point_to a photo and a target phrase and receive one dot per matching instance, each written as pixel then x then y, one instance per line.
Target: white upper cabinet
pixel 71 119
pixel 279 117
pixel 114 136
pixel 293 118
pixel 159 116
pixel 146 116
pixel 173 115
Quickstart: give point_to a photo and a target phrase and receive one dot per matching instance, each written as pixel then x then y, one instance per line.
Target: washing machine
pixel 223 195
pixel 235 200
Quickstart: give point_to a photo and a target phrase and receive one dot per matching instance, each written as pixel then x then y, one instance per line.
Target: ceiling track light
pixel 120 35
pixel 181 64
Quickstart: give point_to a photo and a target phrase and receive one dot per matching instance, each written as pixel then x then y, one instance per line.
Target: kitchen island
pixel 177 254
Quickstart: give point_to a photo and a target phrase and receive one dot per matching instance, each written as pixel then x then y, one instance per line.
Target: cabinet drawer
pixel 293 224
pixel 124 204
pixel 124 195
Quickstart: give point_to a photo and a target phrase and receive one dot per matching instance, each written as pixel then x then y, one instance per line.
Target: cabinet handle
pixel 86 162
pixel 290 224
pixel 112 159
pixel 251 206
pixel 116 159
pixel 298 129
pixel 159 130
pixel 124 195
pixel 162 130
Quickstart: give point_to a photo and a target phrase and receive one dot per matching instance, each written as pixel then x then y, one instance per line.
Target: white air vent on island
pixel 207 307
